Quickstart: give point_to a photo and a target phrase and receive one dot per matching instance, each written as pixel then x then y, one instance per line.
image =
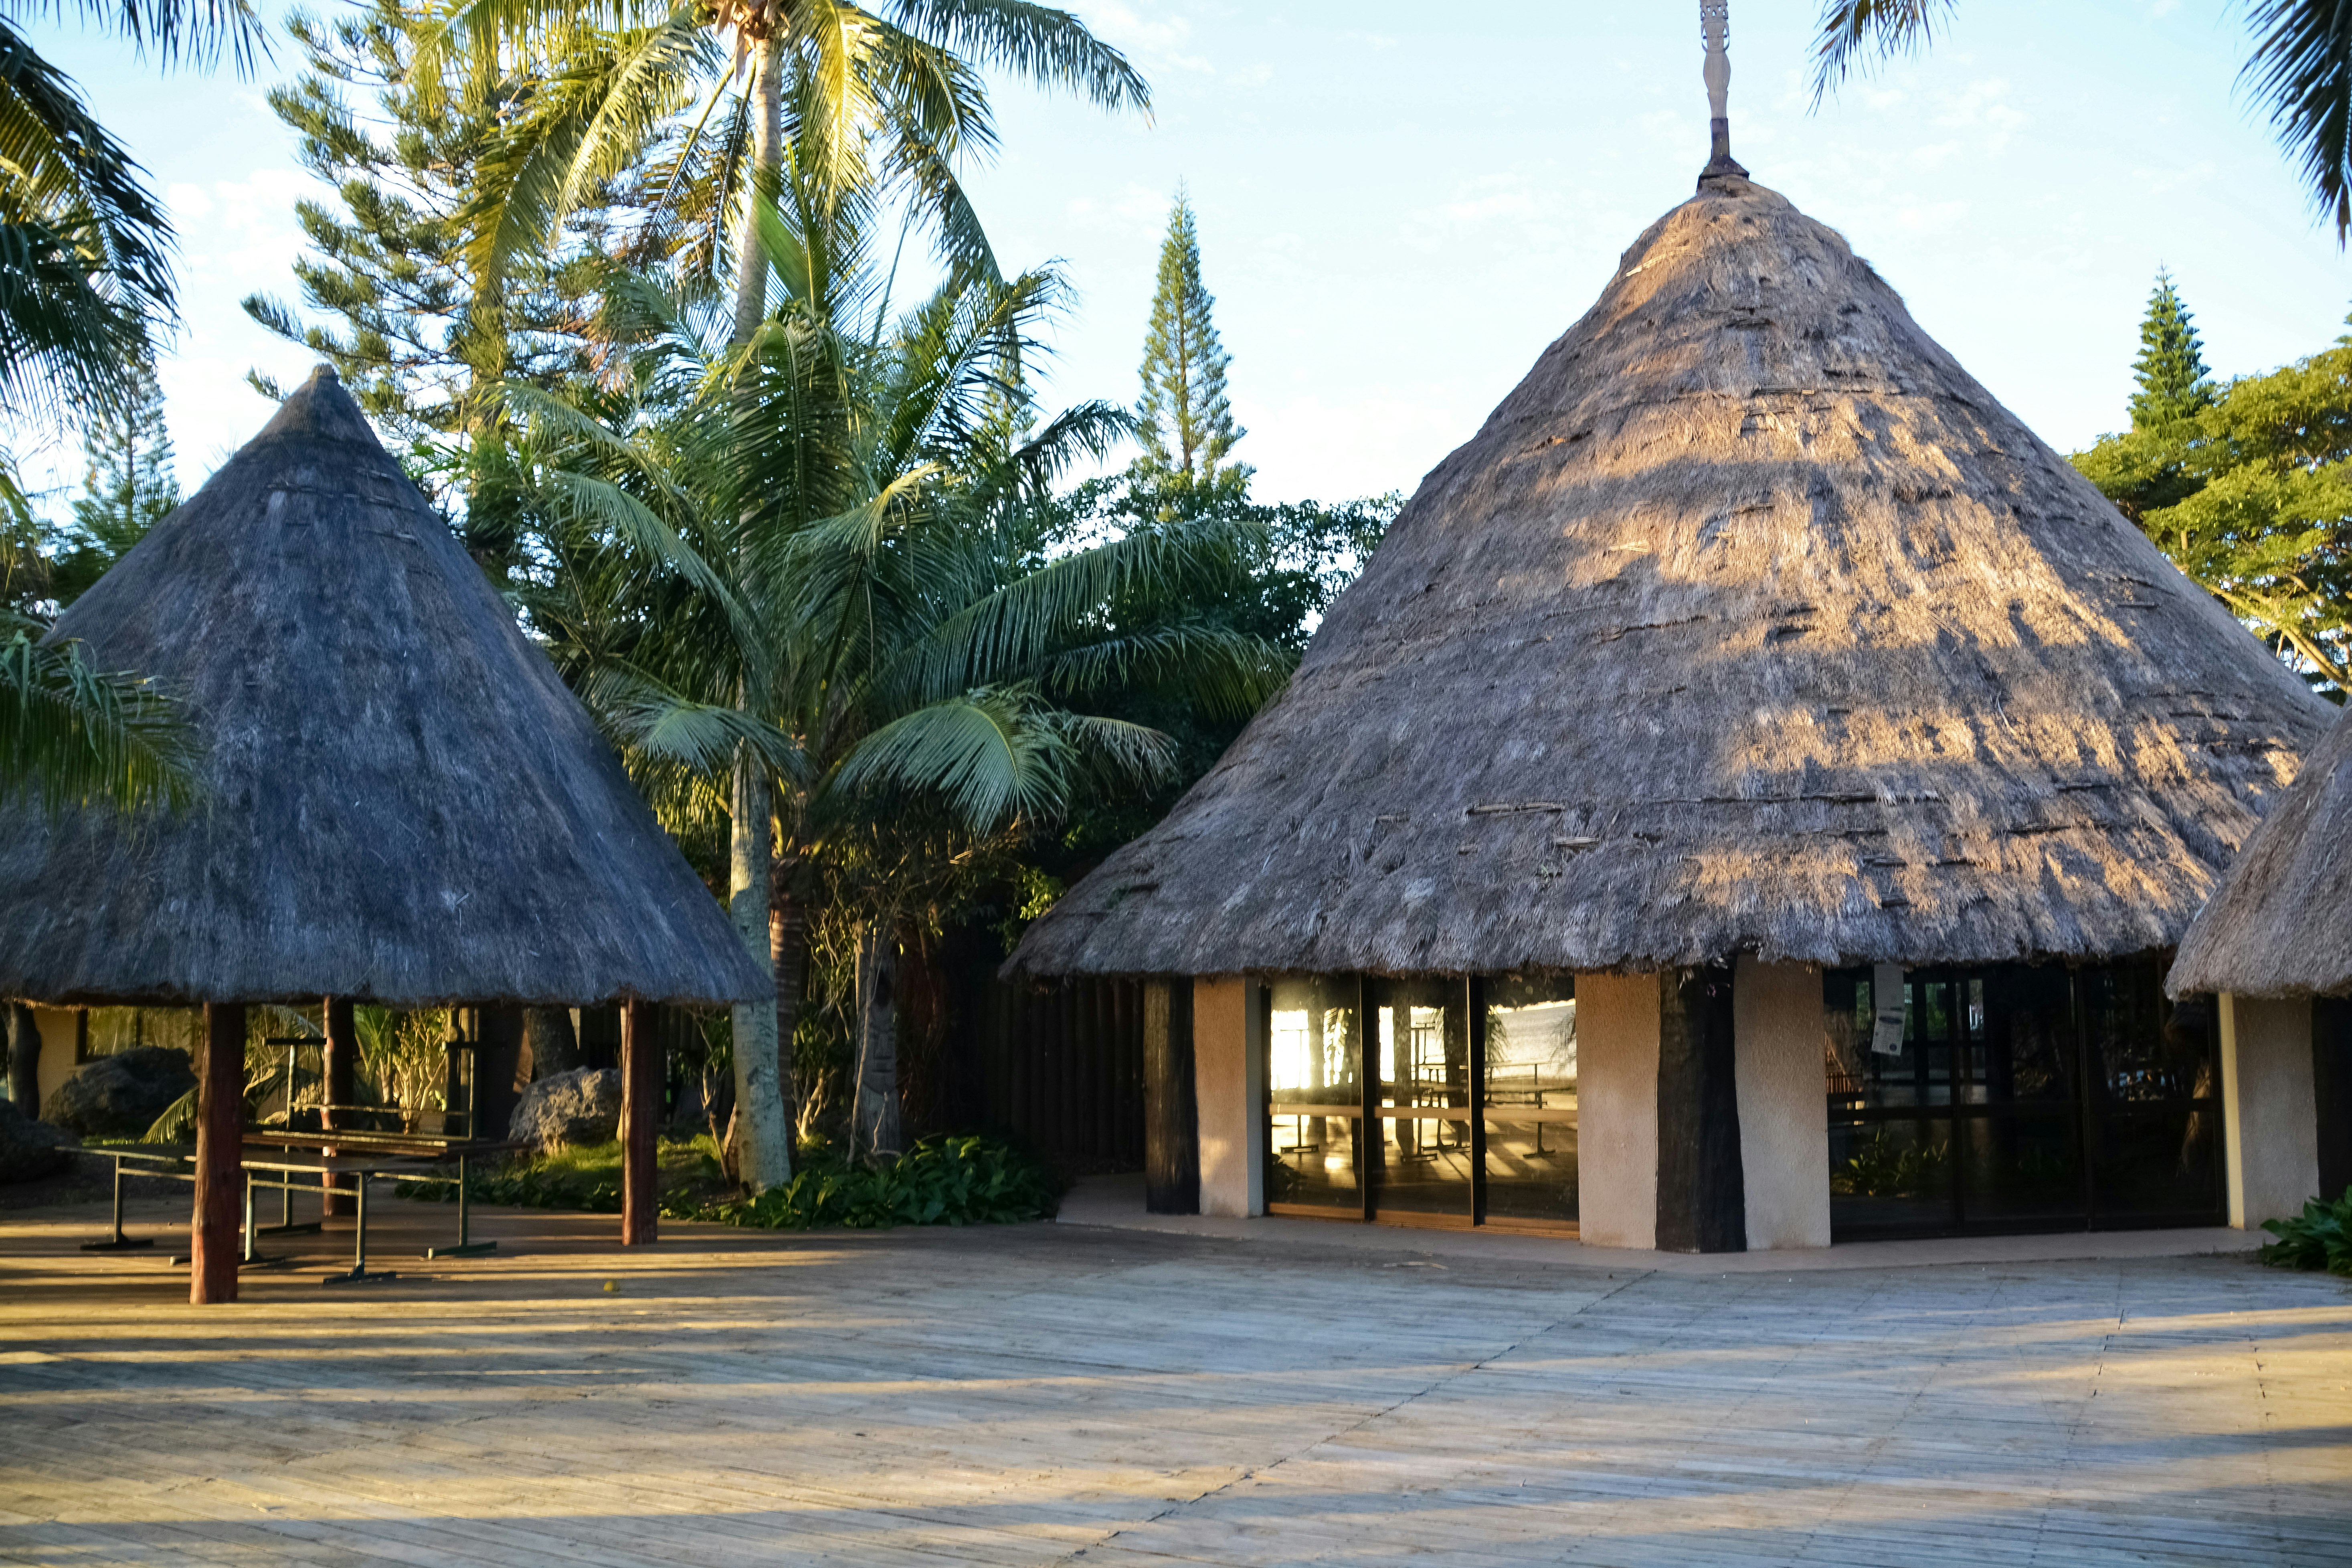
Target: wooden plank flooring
pixel 1051 1395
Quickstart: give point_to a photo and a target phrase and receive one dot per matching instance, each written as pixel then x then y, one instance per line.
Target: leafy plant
pixel 940 1181
pixel 1883 1168
pixel 2319 1237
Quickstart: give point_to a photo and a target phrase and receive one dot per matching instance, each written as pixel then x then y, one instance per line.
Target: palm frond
pixel 2301 68
pixel 74 735
pixel 1855 33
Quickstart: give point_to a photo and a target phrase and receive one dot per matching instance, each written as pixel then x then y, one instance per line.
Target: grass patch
pixel 2319 1237
pixel 940 1181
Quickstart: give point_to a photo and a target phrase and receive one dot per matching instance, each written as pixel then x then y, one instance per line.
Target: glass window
pixel 1315 1097
pixel 1423 1152
pixel 2155 1131
pixel 1530 1100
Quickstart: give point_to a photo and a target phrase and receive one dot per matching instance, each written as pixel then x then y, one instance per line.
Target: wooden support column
pixel 2331 1080
pixel 1171 1126
pixel 216 1232
pixel 341 1072
pixel 498 1057
pixel 641 1087
pixel 1702 1189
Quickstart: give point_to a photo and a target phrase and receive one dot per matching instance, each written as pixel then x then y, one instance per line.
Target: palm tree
pixel 850 107
pixel 2300 69
pixel 827 525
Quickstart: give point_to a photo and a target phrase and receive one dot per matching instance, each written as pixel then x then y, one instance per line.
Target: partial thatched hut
pixel 401 802
pixel 1750 672
pixel 2276 944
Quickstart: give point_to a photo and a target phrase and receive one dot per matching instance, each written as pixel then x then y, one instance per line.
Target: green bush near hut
pixel 941 1181
pixel 2319 1237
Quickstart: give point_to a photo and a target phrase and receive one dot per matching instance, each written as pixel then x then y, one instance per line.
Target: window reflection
pixel 1315 1095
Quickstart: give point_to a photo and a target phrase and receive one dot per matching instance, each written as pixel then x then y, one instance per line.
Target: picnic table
pixel 286 1157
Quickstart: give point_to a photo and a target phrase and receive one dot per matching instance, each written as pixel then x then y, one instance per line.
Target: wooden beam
pixel 216 1235
pixel 341 1072
pixel 641 1086
pixel 1172 1129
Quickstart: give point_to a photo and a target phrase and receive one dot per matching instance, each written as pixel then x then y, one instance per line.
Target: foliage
pixel 2252 496
pixel 584 1178
pixel 1885 1167
pixel 406 1057
pixel 72 735
pixel 128 489
pixel 1185 422
pixel 940 1181
pixel 2173 381
pixel 2300 70
pixel 2319 1237
pixel 415 335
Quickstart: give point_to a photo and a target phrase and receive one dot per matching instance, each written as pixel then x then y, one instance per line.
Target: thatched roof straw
pixel 403 804
pixel 1749 623
pixel 2281 924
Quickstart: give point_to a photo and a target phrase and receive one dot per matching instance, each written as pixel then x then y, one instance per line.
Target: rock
pixel 120 1095
pixel 30 1149
pixel 583 1106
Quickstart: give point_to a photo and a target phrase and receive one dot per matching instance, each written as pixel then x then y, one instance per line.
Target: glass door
pixel 1315 1098
pixel 1426 1123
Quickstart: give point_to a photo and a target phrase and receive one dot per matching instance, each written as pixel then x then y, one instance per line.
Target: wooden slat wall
pixel 1062 1067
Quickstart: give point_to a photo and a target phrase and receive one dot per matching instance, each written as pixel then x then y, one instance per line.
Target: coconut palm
pixel 812 552
pixel 2300 70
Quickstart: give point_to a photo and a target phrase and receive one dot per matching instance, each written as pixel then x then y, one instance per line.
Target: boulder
pixel 120 1095
pixel 583 1106
pixel 30 1149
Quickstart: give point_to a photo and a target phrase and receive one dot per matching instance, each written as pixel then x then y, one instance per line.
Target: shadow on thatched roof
pixel 2281 924
pixel 1749 623
pixel 403 804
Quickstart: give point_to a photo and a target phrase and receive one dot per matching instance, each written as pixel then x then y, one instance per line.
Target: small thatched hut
pixel 2276 945
pixel 1746 798
pixel 401 802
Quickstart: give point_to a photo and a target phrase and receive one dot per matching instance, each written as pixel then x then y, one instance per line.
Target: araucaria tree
pixel 129 489
pixel 1185 422
pixel 2172 378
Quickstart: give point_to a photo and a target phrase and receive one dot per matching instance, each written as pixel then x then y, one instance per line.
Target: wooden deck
pixel 1050 1394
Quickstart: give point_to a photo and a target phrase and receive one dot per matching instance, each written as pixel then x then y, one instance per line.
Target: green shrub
pixel 2320 1237
pixel 940 1181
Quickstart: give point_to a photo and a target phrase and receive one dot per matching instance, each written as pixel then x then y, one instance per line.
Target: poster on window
pixel 1886 996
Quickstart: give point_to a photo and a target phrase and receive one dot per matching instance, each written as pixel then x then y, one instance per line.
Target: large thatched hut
pixel 2276 945
pixel 401 803
pixel 1747 799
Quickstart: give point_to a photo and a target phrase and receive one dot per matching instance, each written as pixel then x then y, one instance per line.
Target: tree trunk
pixel 497 1056
pixel 874 1105
pixel 767 1150
pixel 788 952
pixel 764 1135
pixel 554 1047
pixel 24 1059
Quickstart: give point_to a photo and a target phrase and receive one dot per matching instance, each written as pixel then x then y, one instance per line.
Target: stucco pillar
pixel 1229 1082
pixel 1784 1124
pixel 1617 1109
pixel 2273 1138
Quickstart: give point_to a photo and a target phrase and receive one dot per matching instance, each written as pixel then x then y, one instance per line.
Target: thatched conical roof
pixel 2281 924
pixel 1749 623
pixel 404 804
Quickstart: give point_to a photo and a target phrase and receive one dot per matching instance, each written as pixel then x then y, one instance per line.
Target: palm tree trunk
pixel 788 951
pixel 766 1154
pixel 874 1107
pixel 767 1150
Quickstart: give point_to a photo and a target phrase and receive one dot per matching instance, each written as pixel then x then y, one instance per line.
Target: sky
pixel 1400 204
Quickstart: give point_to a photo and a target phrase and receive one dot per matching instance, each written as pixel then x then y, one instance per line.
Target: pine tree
pixel 128 487
pixel 2174 383
pixel 1185 423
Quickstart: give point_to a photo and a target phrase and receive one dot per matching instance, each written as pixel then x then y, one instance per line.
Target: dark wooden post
pixel 1702 1192
pixel 341 1072
pixel 497 1056
pixel 24 1059
pixel 1172 1131
pixel 641 1088
pixel 215 1234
